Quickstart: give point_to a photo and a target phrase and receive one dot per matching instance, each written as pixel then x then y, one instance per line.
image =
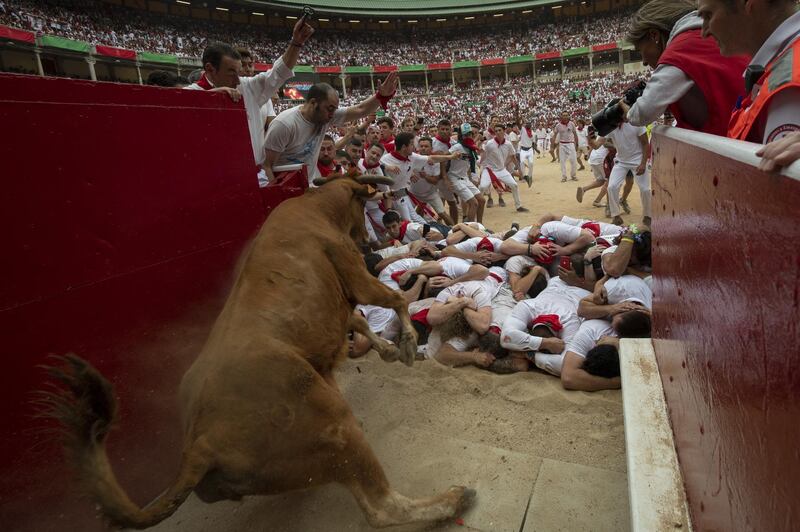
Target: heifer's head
pixel 347 197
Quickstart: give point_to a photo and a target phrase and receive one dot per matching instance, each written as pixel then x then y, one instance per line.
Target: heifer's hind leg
pixel 366 290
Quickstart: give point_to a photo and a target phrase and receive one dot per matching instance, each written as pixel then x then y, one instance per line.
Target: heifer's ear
pixel 365 191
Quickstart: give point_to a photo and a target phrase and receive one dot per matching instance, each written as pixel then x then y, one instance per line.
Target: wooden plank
pixel 657 497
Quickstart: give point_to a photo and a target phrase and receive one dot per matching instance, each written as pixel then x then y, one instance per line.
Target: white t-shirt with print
pixel 296 140
pixel 626 140
pixel 587 336
pixel 628 288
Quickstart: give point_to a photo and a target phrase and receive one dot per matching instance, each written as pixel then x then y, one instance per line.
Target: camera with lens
pixel 607 119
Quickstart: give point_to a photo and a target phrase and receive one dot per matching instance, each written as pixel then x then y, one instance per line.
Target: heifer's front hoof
pixel 408 349
pixel 389 353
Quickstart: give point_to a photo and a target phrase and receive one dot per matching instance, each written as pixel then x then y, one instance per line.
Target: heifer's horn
pixel 375 180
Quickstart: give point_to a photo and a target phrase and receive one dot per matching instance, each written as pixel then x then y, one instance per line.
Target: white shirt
pixel 439 147
pixel 513 138
pixel 422 187
pixel 561 233
pixel 525 140
pixel 474 289
pixel 541 133
pixel 471 245
pixel 566 132
pixel 257 91
pixel 626 140
pixel 378 318
pixel 453 267
pixel 267 110
pixel 559 299
pixel 587 336
pixel 583 136
pixel 598 156
pixel 403 178
pixel 296 140
pixel 399 265
pixel 459 168
pixel 496 155
pixel 606 229
pixel 628 288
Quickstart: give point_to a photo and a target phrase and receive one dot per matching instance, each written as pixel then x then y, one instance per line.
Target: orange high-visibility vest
pixel 781 73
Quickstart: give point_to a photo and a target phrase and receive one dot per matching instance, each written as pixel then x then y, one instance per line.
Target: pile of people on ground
pixel 556 294
pixel 97 22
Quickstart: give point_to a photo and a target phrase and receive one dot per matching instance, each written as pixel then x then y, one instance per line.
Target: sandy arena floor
pixel 541 458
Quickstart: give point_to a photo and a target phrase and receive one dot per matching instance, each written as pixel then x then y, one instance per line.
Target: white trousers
pixel 617 179
pixel 505 177
pixel 526 157
pixel 566 151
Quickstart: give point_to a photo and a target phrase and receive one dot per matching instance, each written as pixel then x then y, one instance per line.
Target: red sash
pixel 485 244
pixel 396 275
pixel 497 277
pixel 594 227
pixel 422 317
pixel 421 204
pixel 550 320
pixel 498 185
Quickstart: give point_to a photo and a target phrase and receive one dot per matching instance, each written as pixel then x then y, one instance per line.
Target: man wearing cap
pixel 769 31
pixel 460 171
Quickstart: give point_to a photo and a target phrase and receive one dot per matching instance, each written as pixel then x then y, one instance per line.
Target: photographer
pixel 691 77
pixel 633 148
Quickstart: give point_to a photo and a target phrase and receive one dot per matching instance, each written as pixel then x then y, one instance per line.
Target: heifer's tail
pixel 87 410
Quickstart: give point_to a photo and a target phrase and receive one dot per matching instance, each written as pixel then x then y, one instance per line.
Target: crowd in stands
pixel 96 22
pixel 518 100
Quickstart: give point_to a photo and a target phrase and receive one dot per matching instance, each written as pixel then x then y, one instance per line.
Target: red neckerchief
pixel 494 329
pixel 486 244
pixel 580 128
pixel 530 133
pixel 594 227
pixel 496 277
pixel 550 320
pixel 325 171
pixel 403 229
pixel 470 143
pixel 546 242
pixel 368 166
pixel 443 141
pixel 204 83
pixel 390 140
pixel 499 142
pixel 396 275
pixel 565 123
pixel 422 317
pixel 399 157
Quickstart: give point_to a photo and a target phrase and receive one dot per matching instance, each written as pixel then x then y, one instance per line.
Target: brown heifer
pixel 261 411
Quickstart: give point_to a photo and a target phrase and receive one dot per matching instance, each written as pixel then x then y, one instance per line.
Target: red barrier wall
pixel 124 211
pixel 727 328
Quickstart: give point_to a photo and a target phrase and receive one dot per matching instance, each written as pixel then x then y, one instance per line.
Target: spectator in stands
pixel 163 78
pixel 295 135
pixel 221 66
pixel 248 66
pixel 767 31
pixel 691 78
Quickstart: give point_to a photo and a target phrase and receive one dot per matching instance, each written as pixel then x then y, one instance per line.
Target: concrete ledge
pixel 657 496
